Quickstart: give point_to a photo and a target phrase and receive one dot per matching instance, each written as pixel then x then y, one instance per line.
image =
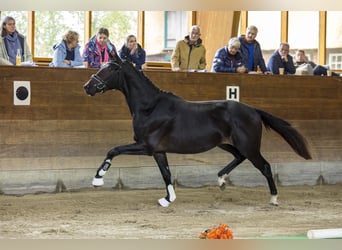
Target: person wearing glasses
pixel 97 50
pixel 190 53
pixel 133 52
pixel 67 52
pixel 11 42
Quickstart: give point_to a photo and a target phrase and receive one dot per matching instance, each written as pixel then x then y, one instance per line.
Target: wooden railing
pixel 63 128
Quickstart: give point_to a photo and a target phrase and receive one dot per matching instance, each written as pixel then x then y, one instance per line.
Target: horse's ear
pixel 115 58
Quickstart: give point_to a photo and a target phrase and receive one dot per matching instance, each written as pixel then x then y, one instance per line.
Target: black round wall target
pixel 22 93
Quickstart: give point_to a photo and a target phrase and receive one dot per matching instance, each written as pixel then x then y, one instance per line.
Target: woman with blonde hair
pixel 67 52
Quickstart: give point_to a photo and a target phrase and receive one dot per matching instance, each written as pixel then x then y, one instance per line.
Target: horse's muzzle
pixel 91 91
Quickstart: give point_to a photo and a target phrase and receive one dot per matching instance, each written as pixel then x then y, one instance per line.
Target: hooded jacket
pixel 60 52
pixel 92 55
pixel 189 57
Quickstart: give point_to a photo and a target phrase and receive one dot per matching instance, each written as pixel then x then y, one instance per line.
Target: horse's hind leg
pixel 163 165
pixel 265 168
pixel 222 175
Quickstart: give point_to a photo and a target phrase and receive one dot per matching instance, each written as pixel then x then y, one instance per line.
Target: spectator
pixel 11 41
pixel 189 53
pixel 250 50
pixel 133 52
pixel 98 49
pixel 228 58
pixel 281 59
pixel 67 52
pixel 301 61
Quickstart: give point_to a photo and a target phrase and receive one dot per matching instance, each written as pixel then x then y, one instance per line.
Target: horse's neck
pixel 140 93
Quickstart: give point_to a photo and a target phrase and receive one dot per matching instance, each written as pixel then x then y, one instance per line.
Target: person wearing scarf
pixel 97 49
pixel 11 41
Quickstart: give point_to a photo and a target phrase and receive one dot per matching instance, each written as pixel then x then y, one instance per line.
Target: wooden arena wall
pixel 61 138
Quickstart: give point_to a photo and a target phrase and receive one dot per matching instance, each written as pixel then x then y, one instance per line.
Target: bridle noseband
pixel 100 85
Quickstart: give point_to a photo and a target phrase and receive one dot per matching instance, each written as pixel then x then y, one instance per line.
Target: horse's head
pixel 108 77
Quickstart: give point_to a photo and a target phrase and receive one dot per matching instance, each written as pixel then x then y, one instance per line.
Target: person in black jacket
pixel 133 52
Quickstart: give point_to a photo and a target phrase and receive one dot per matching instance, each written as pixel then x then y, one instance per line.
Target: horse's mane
pixel 145 78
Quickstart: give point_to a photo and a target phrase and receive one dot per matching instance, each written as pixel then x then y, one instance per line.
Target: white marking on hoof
pixel 172 194
pixel 221 180
pixel 97 182
pixel 102 172
pixel 273 200
pixel 163 202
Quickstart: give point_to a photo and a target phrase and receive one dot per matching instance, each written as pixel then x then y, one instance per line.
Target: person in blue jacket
pixel 133 52
pixel 67 52
pixel 228 58
pixel 281 59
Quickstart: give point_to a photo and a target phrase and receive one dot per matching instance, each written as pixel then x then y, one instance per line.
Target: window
pixel 168 28
pixel 334 39
pixel 50 27
pixel 21 20
pixel 335 60
pixel 268 24
pixel 176 27
pixel 119 23
pixel 304 32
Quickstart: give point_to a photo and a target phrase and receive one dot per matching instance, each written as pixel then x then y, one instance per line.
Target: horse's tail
pixel 291 135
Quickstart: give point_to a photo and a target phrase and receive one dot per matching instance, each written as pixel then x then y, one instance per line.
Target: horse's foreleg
pixel 163 165
pixel 130 149
pixel 101 171
pixel 223 174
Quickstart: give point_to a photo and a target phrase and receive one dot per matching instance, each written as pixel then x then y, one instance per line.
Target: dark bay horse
pixel 166 123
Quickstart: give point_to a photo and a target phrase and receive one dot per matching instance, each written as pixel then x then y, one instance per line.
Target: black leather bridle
pixel 100 83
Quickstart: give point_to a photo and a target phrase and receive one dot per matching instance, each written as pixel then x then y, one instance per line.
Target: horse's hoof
pixel 98 182
pixel 274 201
pixel 222 181
pixel 172 194
pixel 163 202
